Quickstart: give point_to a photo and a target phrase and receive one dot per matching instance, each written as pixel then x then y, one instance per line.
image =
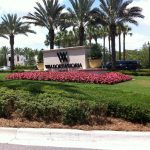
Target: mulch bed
pixel 114 124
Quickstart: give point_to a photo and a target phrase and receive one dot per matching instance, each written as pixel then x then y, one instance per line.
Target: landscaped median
pixel 82 77
pixel 73 103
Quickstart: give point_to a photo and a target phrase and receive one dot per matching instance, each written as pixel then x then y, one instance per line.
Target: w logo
pixel 63 57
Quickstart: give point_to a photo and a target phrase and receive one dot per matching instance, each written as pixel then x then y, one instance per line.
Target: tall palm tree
pixel 104 33
pixel 89 34
pixel 47 15
pixel 12 25
pixel 2 33
pixel 119 29
pixel 114 12
pixel 80 16
pixel 125 31
pixel 4 51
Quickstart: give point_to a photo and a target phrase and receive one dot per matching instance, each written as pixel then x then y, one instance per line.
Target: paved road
pixel 18 147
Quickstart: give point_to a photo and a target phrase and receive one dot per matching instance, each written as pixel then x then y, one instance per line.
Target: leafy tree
pixel 95 51
pixel 18 51
pixel 40 57
pixel 64 38
pixel 113 13
pixel 11 26
pixel 47 15
pixel 30 54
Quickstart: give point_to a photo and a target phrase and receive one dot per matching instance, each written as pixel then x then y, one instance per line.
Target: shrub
pixel 132 112
pixel 7 102
pixel 95 51
pixel 40 57
pixel 26 67
pixel 57 106
pixel 76 114
pixel 142 72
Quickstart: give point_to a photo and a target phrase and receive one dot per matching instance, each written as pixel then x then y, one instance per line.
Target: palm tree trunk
pixel 5 59
pixel 109 42
pixel 12 51
pixel 95 40
pixel 119 46
pixel 104 50
pixel 81 35
pixel 51 38
pixel 90 39
pixel 113 45
pixel 124 48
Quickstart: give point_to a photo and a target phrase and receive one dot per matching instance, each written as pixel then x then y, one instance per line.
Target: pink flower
pixel 83 77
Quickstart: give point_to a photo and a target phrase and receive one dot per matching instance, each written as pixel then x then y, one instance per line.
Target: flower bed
pixel 106 78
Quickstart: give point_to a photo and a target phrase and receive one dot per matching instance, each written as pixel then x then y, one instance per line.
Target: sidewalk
pixel 106 140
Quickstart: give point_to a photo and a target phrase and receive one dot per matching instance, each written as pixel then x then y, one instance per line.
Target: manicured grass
pixel 135 92
pixel 2 76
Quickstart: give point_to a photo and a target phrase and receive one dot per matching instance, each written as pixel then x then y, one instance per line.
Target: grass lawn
pixel 135 92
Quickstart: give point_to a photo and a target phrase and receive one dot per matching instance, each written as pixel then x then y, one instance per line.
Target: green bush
pixel 95 51
pixel 57 106
pixel 132 112
pixel 26 67
pixel 7 102
pixel 11 71
pixel 40 57
pixel 76 114
pixel 142 72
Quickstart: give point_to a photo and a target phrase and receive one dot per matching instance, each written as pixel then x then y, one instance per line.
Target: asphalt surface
pixel 20 147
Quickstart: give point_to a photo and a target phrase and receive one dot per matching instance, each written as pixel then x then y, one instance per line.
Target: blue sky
pixel 141 33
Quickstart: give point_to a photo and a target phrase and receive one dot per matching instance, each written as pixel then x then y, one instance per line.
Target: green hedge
pixel 142 72
pixel 13 71
pixel 49 106
pixel 28 67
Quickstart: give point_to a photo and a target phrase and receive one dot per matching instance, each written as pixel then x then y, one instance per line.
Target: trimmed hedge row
pixel 142 72
pixel 52 107
pixel 13 71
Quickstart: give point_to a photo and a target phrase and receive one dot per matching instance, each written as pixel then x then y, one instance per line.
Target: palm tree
pixel 11 26
pixel 104 33
pixel 119 32
pixel 47 15
pixel 89 34
pixel 2 33
pixel 4 51
pixel 125 31
pixel 80 16
pixel 114 12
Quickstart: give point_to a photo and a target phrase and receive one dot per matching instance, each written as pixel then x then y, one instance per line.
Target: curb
pixel 76 138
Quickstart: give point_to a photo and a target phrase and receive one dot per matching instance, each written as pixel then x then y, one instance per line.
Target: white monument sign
pixel 65 59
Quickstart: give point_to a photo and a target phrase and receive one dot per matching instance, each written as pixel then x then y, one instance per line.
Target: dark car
pixel 125 65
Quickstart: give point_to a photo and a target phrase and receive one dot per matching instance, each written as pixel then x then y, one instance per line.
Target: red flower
pixel 83 77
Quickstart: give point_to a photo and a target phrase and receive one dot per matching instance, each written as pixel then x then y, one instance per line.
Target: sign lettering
pixel 59 66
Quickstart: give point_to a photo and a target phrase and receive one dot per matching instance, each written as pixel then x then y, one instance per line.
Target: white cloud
pixel 136 41
pixel 7 6
pixel 141 34
pixel 35 41
pixel 22 8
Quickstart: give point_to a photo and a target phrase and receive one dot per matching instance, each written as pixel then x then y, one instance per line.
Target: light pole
pixel 149 53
